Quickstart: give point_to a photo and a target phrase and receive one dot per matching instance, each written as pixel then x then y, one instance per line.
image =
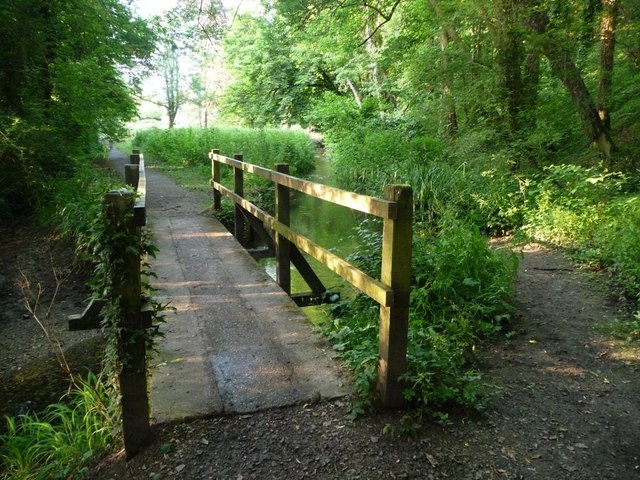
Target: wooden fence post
pixel 395 272
pixel 215 174
pixel 127 287
pixel 134 158
pixel 132 174
pixel 238 189
pixel 282 245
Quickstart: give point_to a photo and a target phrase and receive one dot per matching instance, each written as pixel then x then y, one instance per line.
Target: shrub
pixel 459 295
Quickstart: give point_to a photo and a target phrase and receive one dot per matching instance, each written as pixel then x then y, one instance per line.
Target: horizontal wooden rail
pixel 391 292
pixel 362 203
pixel 375 289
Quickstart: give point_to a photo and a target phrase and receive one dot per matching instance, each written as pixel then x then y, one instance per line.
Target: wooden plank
pixel 261 252
pixel 363 203
pixel 394 320
pixel 215 175
pixel 307 273
pixel 258 227
pixel 283 247
pixel 127 287
pixel 132 175
pixel 375 289
pixel 311 299
pixel 89 319
pixel 238 188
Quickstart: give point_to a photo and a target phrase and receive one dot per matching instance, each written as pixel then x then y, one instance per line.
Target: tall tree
pixel 184 33
pixel 607 50
pixel 67 70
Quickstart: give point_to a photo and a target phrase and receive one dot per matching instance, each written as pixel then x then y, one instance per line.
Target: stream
pixel 330 226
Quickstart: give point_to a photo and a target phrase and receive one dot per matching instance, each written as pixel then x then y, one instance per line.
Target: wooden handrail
pixel 373 288
pixel 362 203
pixel 391 292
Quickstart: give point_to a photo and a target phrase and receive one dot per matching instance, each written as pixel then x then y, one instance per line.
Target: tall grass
pixel 266 147
pixel 60 442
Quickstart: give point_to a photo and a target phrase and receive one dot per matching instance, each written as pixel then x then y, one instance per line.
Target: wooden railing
pixel 391 291
pixel 134 397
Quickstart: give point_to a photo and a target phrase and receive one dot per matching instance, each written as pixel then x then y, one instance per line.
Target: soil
pixel 34 261
pixel 565 407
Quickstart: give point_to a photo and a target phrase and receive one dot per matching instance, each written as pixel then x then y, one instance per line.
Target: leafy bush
pixel 592 212
pixel 459 294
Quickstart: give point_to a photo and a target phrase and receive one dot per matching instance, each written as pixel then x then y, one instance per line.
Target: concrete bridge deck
pixel 236 342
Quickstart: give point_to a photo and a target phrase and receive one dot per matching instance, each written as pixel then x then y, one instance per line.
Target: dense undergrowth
pixel 465 190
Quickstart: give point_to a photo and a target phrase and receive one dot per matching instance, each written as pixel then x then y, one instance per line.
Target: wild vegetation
pixel 507 117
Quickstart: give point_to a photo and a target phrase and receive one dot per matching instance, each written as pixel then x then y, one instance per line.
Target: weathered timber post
pixel 395 272
pixel 283 247
pixel 215 175
pixel 134 158
pixel 238 189
pixel 133 376
pixel 132 174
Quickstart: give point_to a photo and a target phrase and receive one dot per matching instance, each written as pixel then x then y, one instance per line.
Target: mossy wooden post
pixel 283 247
pixel 133 377
pixel 238 189
pixel 215 175
pixel 395 272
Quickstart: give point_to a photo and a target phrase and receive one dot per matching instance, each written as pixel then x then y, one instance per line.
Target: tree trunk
pixel 565 69
pixel 608 42
pixel 447 34
pixel 519 65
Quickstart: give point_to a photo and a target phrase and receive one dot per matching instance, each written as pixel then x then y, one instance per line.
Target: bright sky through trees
pixel 147 8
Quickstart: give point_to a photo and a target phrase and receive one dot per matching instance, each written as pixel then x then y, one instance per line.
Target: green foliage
pixel 265 147
pixel 459 295
pixel 592 212
pixel 74 203
pixel 627 330
pixel 108 241
pixel 65 438
pixel 61 85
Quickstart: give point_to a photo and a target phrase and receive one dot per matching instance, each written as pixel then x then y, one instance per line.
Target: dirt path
pixel 566 408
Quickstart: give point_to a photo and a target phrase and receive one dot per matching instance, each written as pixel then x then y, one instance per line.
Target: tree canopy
pixel 535 74
pixel 67 70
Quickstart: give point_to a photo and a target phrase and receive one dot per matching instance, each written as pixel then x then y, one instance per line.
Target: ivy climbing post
pixel 131 337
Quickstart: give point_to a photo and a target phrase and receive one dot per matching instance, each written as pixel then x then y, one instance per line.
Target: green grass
pixel 265 147
pixel 60 442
